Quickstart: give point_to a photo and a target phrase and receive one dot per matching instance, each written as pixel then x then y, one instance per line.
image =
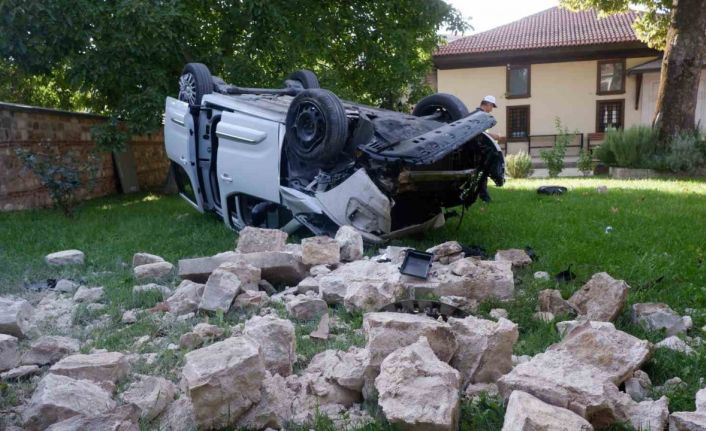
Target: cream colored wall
pixel 564 90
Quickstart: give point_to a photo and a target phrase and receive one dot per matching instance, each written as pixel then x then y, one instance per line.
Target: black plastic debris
pixel 474 251
pixel 416 264
pixel 565 276
pixel 552 190
pixel 433 309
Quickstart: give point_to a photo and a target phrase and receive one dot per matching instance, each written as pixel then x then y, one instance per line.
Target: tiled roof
pixel 553 27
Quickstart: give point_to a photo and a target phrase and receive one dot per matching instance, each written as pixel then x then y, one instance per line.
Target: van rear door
pixel 180 145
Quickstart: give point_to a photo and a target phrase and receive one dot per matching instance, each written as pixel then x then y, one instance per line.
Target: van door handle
pixel 226 178
pixel 183 160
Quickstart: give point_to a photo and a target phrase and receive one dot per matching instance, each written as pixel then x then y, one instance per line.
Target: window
pixel 518 81
pixel 518 122
pixel 611 77
pixel 609 114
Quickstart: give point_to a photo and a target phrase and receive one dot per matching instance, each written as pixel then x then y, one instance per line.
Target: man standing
pixel 487 105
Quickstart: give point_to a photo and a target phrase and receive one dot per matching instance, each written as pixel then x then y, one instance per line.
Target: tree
pixel 678 27
pixel 125 57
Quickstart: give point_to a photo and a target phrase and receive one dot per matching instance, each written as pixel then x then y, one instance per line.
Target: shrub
pixel 585 162
pixel 62 173
pixel 635 147
pixel 519 165
pixel 685 154
pixel 554 158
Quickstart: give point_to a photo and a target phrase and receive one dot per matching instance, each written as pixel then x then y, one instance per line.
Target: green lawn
pixel 657 244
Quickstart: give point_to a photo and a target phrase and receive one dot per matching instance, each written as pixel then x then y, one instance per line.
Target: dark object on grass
pixel 416 263
pixel 531 253
pixel 565 276
pixel 433 309
pixel 38 286
pixel 474 251
pixel 552 190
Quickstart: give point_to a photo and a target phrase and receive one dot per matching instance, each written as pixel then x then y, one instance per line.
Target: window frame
pixel 508 133
pixel 598 76
pixel 508 69
pixel 598 111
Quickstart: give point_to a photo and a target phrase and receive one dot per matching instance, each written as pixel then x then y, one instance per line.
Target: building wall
pixel 27 127
pixel 565 90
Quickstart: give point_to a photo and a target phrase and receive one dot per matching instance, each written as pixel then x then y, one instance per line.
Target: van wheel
pixel 307 78
pixel 448 107
pixel 195 81
pixel 317 127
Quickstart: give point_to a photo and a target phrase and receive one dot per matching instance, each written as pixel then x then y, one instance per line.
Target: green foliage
pixel 635 147
pixel 519 165
pixel 585 162
pixel 554 158
pixel 481 414
pixel 62 172
pixel 124 57
pixel 651 25
pixel 685 153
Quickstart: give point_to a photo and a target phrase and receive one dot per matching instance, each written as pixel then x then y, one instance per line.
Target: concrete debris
pixel 304 307
pixel 66 257
pixel 320 250
pixel 49 349
pixel 277 342
pixel 178 416
pixel 527 413
pixel 150 394
pixel 351 243
pixel 15 317
pixel 139 259
pixel 254 239
pixel 322 330
pixel 9 354
pixel 122 418
pixel 98 367
pixel 656 316
pixel 601 298
pixel 277 267
pixel 156 270
pixel 346 369
pixel 417 390
pixel 518 258
pixel 186 298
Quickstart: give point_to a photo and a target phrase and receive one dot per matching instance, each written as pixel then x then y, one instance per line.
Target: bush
pixel 554 158
pixel 585 162
pixel 635 147
pixel 62 173
pixel 519 165
pixel 685 154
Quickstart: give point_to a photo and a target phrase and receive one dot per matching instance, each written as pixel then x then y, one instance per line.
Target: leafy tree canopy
pixel 652 25
pixel 122 57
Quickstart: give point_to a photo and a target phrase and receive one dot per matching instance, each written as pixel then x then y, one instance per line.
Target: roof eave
pixel 545 55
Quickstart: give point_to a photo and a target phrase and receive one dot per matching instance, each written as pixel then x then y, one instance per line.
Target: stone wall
pixel 28 127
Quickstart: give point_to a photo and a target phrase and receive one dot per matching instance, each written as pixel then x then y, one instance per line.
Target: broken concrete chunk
pixel 364 296
pixel 221 289
pixel 527 413
pixel 49 349
pixel 9 355
pixel 550 300
pixel 386 332
pixel 346 369
pixel 518 258
pixel 66 257
pixel 255 239
pixel 88 294
pixel 320 250
pixel 150 394
pixel 601 298
pixel 417 390
pixel 223 381
pixel 185 298
pixel 656 316
pixel 276 267
pixel 484 348
pixel 139 259
pixel 97 367
pixel 155 270
pixel 475 279
pixel 15 316
pixel 122 418
pixel 59 397
pixel 363 285
pixel 276 340
pixel 351 243
pixel 305 307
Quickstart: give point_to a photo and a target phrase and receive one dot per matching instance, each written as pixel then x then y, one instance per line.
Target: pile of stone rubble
pixel 417 369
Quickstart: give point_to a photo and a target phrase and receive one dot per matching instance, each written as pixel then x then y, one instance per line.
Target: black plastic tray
pixel 416 263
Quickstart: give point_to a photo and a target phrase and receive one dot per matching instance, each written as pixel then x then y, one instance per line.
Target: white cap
pixel 490 99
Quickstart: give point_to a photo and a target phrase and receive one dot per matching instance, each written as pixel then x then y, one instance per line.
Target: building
pixel 589 71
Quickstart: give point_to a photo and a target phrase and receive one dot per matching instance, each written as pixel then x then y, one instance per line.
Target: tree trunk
pixel 681 69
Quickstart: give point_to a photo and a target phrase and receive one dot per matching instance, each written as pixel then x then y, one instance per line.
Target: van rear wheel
pixel 446 107
pixel 195 82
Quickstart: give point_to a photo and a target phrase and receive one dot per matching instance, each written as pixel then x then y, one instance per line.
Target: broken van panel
pixel 301 157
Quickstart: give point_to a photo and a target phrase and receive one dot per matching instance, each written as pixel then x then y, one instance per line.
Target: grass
pixel 657 244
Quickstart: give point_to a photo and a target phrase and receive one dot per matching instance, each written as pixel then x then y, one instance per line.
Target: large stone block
pixel 15 317
pixel 277 342
pixel 601 298
pixel 254 239
pixel 527 413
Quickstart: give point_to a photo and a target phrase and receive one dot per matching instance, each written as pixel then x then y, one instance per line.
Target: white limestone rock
pixel 15 316
pixel 98 367
pixel 155 271
pixel 150 394
pixel 49 349
pixel 351 243
pixel 139 259
pixel 517 257
pixel 320 250
pixel 254 239
pixel 305 307
pixel 601 298
pixel 65 257
pixel 185 298
pixel 277 342
pixel 9 354
pixel 527 413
